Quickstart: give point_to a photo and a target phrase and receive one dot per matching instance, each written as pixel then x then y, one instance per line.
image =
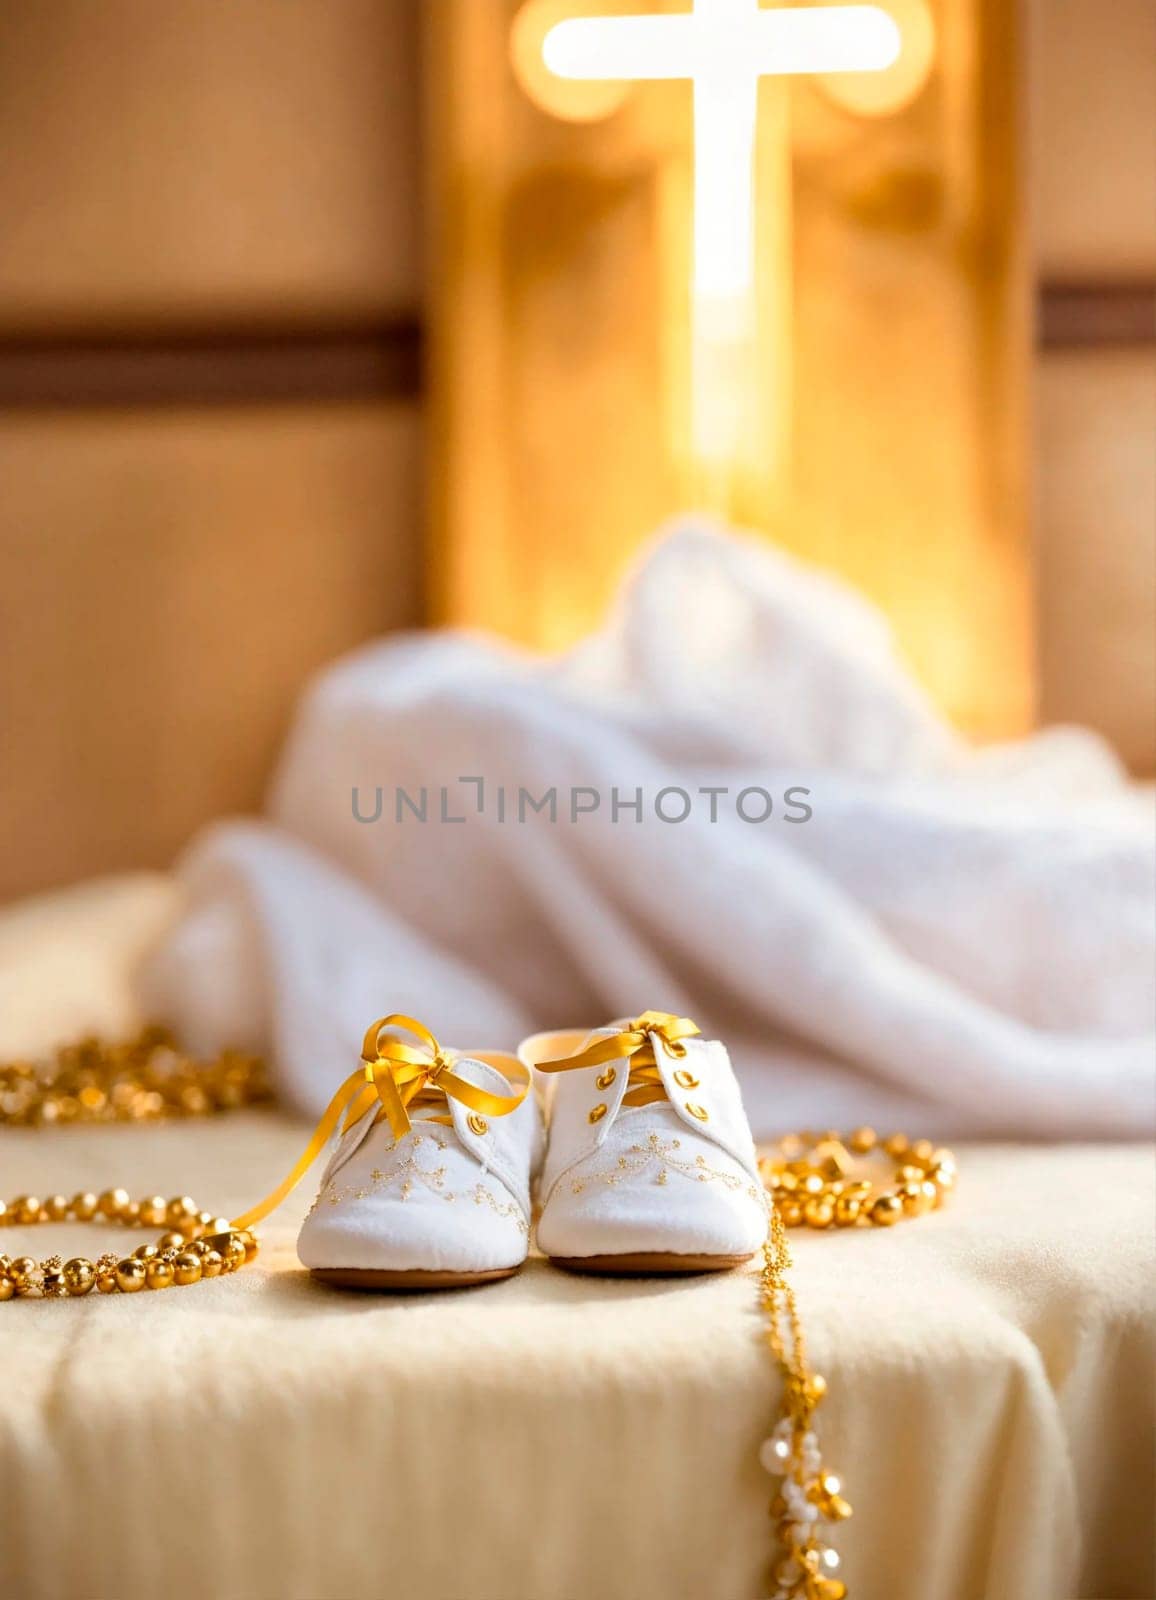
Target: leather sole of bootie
pixel 407 1279
pixel 649 1264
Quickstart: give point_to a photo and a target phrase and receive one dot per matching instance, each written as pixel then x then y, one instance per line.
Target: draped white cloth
pixel 965 940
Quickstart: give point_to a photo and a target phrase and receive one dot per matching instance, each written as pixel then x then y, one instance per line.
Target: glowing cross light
pixel 723 47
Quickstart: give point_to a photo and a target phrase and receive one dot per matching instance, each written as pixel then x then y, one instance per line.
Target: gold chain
pixel 197 1245
pixel 811 1183
pixel 141 1080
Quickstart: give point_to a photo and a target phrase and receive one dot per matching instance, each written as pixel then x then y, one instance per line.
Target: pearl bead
pixel 775 1455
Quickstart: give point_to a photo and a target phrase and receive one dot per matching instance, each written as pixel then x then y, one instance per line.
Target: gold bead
pixel 79 1276
pixel 180 1211
pixel 221 1225
pixel 886 1210
pixel 25 1210
pixel 897 1145
pixel 7 1288
pixel 83 1206
pixel 923 1150
pixel 106 1283
pixel 212 1264
pixel 918 1198
pixel 250 1242
pixel 205 1219
pixel 837 1508
pixel 234 1254
pixel 130 1275
pixel 942 1177
pixel 187 1268
pixel 791 1213
pixel 154 1211
pixel 813 1184
pixel 847 1209
pixel 146 1252
pixel 818 1211
pixel 56 1208
pixel 159 1274
pixel 21 1270
pixel 171 1241
pixel 816 1388
pixel 863 1140
pixel 113 1203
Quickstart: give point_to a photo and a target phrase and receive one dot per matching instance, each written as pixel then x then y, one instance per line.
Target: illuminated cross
pixel 723 47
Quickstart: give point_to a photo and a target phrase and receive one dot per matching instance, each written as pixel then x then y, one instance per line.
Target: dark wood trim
pixel 1095 315
pixel 268 367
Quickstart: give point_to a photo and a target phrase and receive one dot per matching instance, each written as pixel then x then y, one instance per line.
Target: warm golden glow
pixel 723 47
pixel 570 99
pixel 882 94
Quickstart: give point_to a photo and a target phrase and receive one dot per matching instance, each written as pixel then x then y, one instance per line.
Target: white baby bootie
pixel 650 1166
pixel 429 1184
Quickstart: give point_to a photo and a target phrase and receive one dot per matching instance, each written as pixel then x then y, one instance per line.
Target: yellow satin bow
pixel 635 1043
pixel 393 1076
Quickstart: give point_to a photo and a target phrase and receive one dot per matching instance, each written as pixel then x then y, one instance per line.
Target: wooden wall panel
pixel 168 581
pixel 1094 138
pixel 207 160
pixel 1097 545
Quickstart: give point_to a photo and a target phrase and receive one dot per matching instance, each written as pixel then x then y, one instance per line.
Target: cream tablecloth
pixel 555 1438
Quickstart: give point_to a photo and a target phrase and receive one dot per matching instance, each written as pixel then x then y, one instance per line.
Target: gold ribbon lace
pixel 634 1043
pixel 393 1078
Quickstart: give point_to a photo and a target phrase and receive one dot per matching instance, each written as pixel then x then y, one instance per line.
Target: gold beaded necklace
pixel 811 1183
pixel 809 1179
pixel 143 1079
pixel 197 1245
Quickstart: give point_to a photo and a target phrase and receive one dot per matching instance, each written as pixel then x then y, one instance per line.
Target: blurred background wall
pixel 210 391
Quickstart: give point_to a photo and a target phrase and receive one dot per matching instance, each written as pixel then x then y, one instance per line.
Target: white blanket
pixel 961 940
